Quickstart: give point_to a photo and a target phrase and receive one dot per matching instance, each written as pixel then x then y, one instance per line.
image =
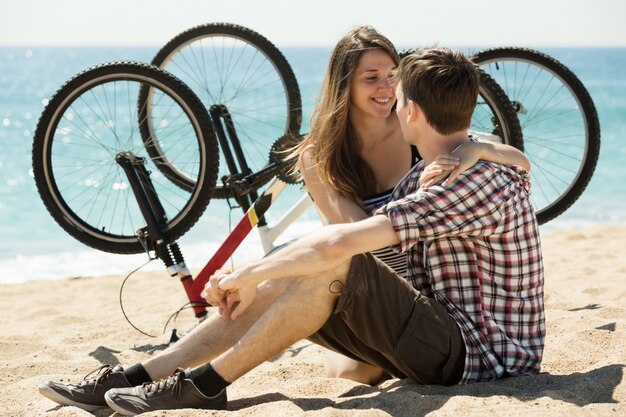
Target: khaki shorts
pixel 380 319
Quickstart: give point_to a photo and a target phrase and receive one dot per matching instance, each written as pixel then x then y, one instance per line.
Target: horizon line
pixel 329 46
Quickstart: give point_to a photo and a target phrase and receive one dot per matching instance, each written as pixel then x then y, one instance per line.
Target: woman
pixel 354 154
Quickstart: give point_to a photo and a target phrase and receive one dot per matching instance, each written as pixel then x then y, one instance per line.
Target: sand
pixel 61 330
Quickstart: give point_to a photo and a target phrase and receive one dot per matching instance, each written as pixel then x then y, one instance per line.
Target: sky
pixel 318 22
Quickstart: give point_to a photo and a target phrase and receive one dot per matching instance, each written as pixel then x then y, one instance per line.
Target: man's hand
pixel 230 292
pixel 212 292
pixel 240 293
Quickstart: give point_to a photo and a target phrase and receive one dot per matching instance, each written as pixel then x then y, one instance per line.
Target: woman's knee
pixel 346 368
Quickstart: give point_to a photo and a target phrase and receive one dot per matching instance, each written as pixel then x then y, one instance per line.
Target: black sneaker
pixel 88 394
pixel 169 393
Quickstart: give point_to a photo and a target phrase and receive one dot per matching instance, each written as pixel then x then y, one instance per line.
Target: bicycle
pixel 551 107
pixel 159 147
pixel 559 121
pixel 94 173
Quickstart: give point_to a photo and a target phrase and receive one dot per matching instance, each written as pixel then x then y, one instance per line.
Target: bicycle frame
pixel 170 253
pixel 194 286
pixel 241 185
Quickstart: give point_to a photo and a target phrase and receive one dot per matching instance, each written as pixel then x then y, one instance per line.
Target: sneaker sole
pixel 59 399
pixel 117 408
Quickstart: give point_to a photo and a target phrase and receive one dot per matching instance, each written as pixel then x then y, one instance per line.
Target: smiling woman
pixel 349 128
pixel 372 87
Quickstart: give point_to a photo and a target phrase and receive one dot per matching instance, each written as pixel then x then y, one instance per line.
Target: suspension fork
pixel 149 204
pixel 153 212
pixel 151 208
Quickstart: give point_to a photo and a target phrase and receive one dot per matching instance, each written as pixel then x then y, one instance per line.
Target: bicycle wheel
pixel 235 67
pixel 494 118
pixel 559 124
pixel 92 119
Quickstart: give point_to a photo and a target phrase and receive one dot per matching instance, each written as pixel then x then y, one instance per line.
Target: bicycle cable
pixel 174 315
pixel 188 304
pixel 150 259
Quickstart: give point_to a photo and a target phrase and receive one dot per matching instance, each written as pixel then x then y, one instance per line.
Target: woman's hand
pixel 468 153
pixel 465 156
pixel 439 169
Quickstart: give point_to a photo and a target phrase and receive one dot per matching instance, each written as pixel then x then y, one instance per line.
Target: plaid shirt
pixel 474 247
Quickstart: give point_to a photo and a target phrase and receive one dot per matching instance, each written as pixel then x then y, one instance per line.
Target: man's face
pixel 402 111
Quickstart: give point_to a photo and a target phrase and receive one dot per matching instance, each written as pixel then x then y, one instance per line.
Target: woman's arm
pixel 499 153
pixel 336 208
pixel 465 156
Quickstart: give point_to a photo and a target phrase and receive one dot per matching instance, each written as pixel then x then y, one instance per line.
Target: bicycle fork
pixel 139 178
pixel 152 236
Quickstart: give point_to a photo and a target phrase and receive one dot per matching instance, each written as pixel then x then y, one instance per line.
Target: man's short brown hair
pixel 444 83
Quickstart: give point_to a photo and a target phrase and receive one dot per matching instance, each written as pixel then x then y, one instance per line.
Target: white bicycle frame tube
pixel 269 233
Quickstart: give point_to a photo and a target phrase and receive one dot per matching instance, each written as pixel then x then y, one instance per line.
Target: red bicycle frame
pixel 194 286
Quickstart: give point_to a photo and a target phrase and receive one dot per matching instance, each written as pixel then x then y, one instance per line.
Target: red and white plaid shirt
pixel 474 247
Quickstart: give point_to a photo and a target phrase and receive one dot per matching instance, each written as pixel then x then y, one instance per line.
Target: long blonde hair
pixel 338 161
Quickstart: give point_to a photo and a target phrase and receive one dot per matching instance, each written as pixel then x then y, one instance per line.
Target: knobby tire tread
pixel 46 187
pixel 589 112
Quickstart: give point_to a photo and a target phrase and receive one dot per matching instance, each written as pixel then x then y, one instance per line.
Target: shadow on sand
pixel 596 386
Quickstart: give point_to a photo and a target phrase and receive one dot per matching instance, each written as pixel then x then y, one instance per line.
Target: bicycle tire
pixel 559 122
pixel 92 118
pixel 494 118
pixel 227 64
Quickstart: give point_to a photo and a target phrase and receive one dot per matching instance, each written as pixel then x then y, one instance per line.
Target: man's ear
pixel 414 111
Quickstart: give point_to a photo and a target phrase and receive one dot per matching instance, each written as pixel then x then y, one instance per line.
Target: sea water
pixel 33 246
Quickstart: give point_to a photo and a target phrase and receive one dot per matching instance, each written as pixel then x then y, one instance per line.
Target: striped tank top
pixel 397 261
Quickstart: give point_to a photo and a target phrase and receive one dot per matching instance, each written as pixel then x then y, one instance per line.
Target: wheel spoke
pixel 76 168
pixel 232 66
pixel 558 119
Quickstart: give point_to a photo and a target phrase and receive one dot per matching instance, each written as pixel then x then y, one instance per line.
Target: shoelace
pixel 173 382
pixel 101 374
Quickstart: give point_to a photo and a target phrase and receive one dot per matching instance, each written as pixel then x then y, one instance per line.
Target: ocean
pixel 33 246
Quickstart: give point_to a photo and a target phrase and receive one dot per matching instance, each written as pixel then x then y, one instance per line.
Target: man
pixel 471 308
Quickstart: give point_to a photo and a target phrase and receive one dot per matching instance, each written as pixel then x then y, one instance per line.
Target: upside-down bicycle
pixel 126 155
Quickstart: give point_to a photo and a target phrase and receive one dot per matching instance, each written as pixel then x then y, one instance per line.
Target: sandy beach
pixel 62 330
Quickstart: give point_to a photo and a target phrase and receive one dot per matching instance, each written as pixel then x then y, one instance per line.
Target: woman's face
pixel 372 90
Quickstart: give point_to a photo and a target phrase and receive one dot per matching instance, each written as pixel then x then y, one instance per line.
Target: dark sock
pixel 136 375
pixel 209 382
